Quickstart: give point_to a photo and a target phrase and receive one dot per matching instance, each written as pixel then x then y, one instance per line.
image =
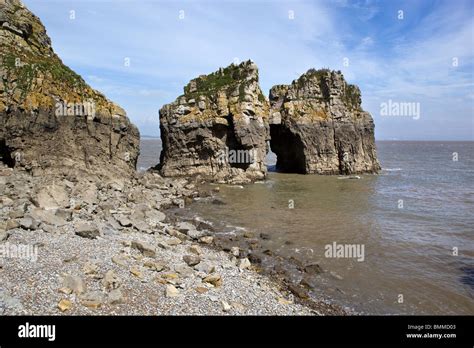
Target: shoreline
pixel 109 248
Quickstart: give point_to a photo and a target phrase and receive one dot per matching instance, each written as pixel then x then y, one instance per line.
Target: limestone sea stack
pixel 218 128
pixel 317 125
pixel 49 117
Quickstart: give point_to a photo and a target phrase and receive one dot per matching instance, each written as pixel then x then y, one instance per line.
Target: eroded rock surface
pixel 218 128
pixel 317 125
pixel 49 117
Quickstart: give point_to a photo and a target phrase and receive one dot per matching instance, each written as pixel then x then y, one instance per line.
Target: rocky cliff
pixel 317 125
pixel 49 117
pixel 218 128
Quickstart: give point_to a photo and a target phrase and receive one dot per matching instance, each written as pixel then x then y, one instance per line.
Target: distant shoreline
pixel 149 137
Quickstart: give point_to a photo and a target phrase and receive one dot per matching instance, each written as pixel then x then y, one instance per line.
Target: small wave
pixel 392 169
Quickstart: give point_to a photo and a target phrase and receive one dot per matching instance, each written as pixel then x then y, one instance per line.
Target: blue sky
pixel 409 59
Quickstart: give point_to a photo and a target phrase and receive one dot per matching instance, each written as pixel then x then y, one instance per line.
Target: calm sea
pixel 415 222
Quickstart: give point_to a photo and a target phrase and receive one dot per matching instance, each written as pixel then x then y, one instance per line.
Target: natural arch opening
pixel 238 156
pixel 289 150
pixel 6 154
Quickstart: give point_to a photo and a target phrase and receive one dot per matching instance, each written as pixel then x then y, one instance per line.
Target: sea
pixel 399 242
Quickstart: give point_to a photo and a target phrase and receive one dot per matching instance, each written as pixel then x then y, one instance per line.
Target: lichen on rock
pixel 218 128
pixel 317 125
pixel 49 117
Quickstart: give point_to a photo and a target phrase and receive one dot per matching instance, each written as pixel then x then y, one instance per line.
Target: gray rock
pixel 155 216
pixel 48 217
pixel 155 266
pixel 145 248
pixel 205 267
pixel 123 221
pixel 191 260
pixel 190 230
pixel 74 283
pixel 142 226
pixel 28 223
pixel 116 296
pixel 86 230
pixel 52 197
pixel 92 299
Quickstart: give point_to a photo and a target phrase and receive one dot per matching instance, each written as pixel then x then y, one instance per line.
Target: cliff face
pixel 317 125
pixel 218 128
pixel 49 117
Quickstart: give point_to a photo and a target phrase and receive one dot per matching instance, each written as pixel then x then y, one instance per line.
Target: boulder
pixel 86 230
pixel 191 260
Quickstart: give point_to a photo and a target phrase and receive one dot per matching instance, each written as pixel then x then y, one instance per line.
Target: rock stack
pixel 218 128
pixel 317 125
pixel 50 119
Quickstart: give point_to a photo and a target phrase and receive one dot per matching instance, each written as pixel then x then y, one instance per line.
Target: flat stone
pixel 171 291
pixel 214 279
pixel 93 299
pixel 154 266
pixel 123 221
pixel 48 217
pixel 206 240
pixel 142 227
pixel 201 289
pixel 189 229
pixel 155 216
pixel 205 267
pixel 75 283
pixel 145 248
pixel 119 260
pixel 173 241
pixel 64 305
pixel 28 223
pixel 86 230
pixel 52 197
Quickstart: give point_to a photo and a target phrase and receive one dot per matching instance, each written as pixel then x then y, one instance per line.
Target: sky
pixel 141 53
